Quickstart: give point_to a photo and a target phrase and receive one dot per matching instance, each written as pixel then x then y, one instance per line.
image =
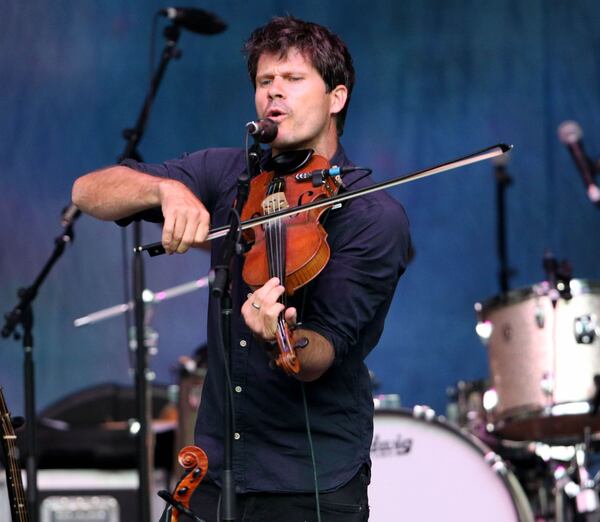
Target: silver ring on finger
pixel 255 305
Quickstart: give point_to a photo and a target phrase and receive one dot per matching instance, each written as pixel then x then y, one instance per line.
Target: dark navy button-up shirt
pixel 347 304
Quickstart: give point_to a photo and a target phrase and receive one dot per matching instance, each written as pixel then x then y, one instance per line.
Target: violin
pixel 294 248
pixel 195 461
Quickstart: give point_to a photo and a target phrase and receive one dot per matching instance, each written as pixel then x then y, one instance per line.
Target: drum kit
pixel 521 446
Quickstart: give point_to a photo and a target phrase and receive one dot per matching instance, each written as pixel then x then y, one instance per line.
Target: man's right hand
pixel 186 219
pixel 117 192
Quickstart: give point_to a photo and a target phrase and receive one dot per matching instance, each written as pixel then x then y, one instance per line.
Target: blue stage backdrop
pixel 436 80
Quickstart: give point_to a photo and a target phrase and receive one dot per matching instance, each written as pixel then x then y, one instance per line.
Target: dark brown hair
pixel 326 51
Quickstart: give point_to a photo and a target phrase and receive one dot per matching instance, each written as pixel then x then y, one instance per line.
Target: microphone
pixel 195 20
pixel 265 130
pixel 69 215
pixel 570 133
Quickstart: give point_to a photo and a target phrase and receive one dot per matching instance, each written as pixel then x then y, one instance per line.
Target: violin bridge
pixel 274 202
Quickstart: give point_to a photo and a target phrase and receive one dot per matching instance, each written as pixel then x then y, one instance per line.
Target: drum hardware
pixel 587 497
pixel 466 405
pixel 547 384
pixel 586 329
pixel 540 319
pixel 551 475
pixel 558 277
pixel 575 489
pixel 150 340
pixel 390 401
pixel 422 411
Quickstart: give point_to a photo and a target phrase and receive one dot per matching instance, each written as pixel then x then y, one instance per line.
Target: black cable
pixel 366 173
pixel 312 452
pixel 227 374
pixel 300 317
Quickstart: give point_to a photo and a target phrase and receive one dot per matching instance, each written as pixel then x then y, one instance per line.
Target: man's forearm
pixel 316 357
pixel 116 192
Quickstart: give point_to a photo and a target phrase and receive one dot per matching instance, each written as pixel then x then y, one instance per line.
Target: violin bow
pixel 156 249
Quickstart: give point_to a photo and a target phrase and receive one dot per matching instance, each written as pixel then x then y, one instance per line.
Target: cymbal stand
pixel 577 484
pixel 503 181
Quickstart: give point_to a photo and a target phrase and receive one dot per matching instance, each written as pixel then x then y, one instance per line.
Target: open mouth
pixel 275 114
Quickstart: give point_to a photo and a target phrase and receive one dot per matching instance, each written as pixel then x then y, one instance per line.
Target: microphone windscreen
pixel 569 132
pixel 195 20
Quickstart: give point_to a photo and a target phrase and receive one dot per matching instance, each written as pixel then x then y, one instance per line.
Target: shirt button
pixel 243 343
pixel 238 389
pixel 236 436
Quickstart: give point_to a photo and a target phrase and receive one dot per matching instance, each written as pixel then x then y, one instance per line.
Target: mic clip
pixel 318 177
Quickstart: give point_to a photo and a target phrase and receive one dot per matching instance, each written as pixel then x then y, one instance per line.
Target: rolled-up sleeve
pixel 370 245
pixel 191 170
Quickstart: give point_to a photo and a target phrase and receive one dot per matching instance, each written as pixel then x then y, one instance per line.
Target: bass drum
pixel 424 469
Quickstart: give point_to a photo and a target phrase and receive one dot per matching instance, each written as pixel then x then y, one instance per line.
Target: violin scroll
pixel 195 461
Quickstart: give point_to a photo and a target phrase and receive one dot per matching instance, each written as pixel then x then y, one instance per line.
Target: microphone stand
pixel 143 391
pixel 22 314
pixel 503 180
pixel 220 290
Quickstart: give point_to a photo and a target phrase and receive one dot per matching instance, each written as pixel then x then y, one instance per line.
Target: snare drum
pixel 544 352
pixel 426 469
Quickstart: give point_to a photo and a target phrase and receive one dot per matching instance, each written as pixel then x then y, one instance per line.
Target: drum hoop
pixel 524 413
pixel 519 295
pixel 479 445
pixel 491 458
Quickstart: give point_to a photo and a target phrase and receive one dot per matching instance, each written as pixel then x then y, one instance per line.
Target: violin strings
pixel 10 450
pixel 275 238
pixel 19 496
pixel 280 247
pixel 268 236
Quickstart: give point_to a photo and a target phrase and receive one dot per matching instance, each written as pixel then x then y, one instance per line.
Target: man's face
pixel 292 92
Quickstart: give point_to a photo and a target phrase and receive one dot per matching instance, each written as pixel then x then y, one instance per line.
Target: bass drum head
pixel 426 470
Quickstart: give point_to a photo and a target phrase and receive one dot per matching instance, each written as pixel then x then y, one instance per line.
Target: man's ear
pixel 338 97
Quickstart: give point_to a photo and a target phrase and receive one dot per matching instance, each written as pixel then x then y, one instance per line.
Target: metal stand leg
pixel 576 484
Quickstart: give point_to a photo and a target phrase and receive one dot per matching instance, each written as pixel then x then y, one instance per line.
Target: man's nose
pixel 276 89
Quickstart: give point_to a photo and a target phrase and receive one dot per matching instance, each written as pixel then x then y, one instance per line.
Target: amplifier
pixel 88 495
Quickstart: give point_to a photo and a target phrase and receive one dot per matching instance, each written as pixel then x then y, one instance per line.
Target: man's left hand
pixel 262 308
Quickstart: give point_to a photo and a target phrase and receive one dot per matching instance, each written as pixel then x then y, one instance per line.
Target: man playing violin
pixel 303 78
